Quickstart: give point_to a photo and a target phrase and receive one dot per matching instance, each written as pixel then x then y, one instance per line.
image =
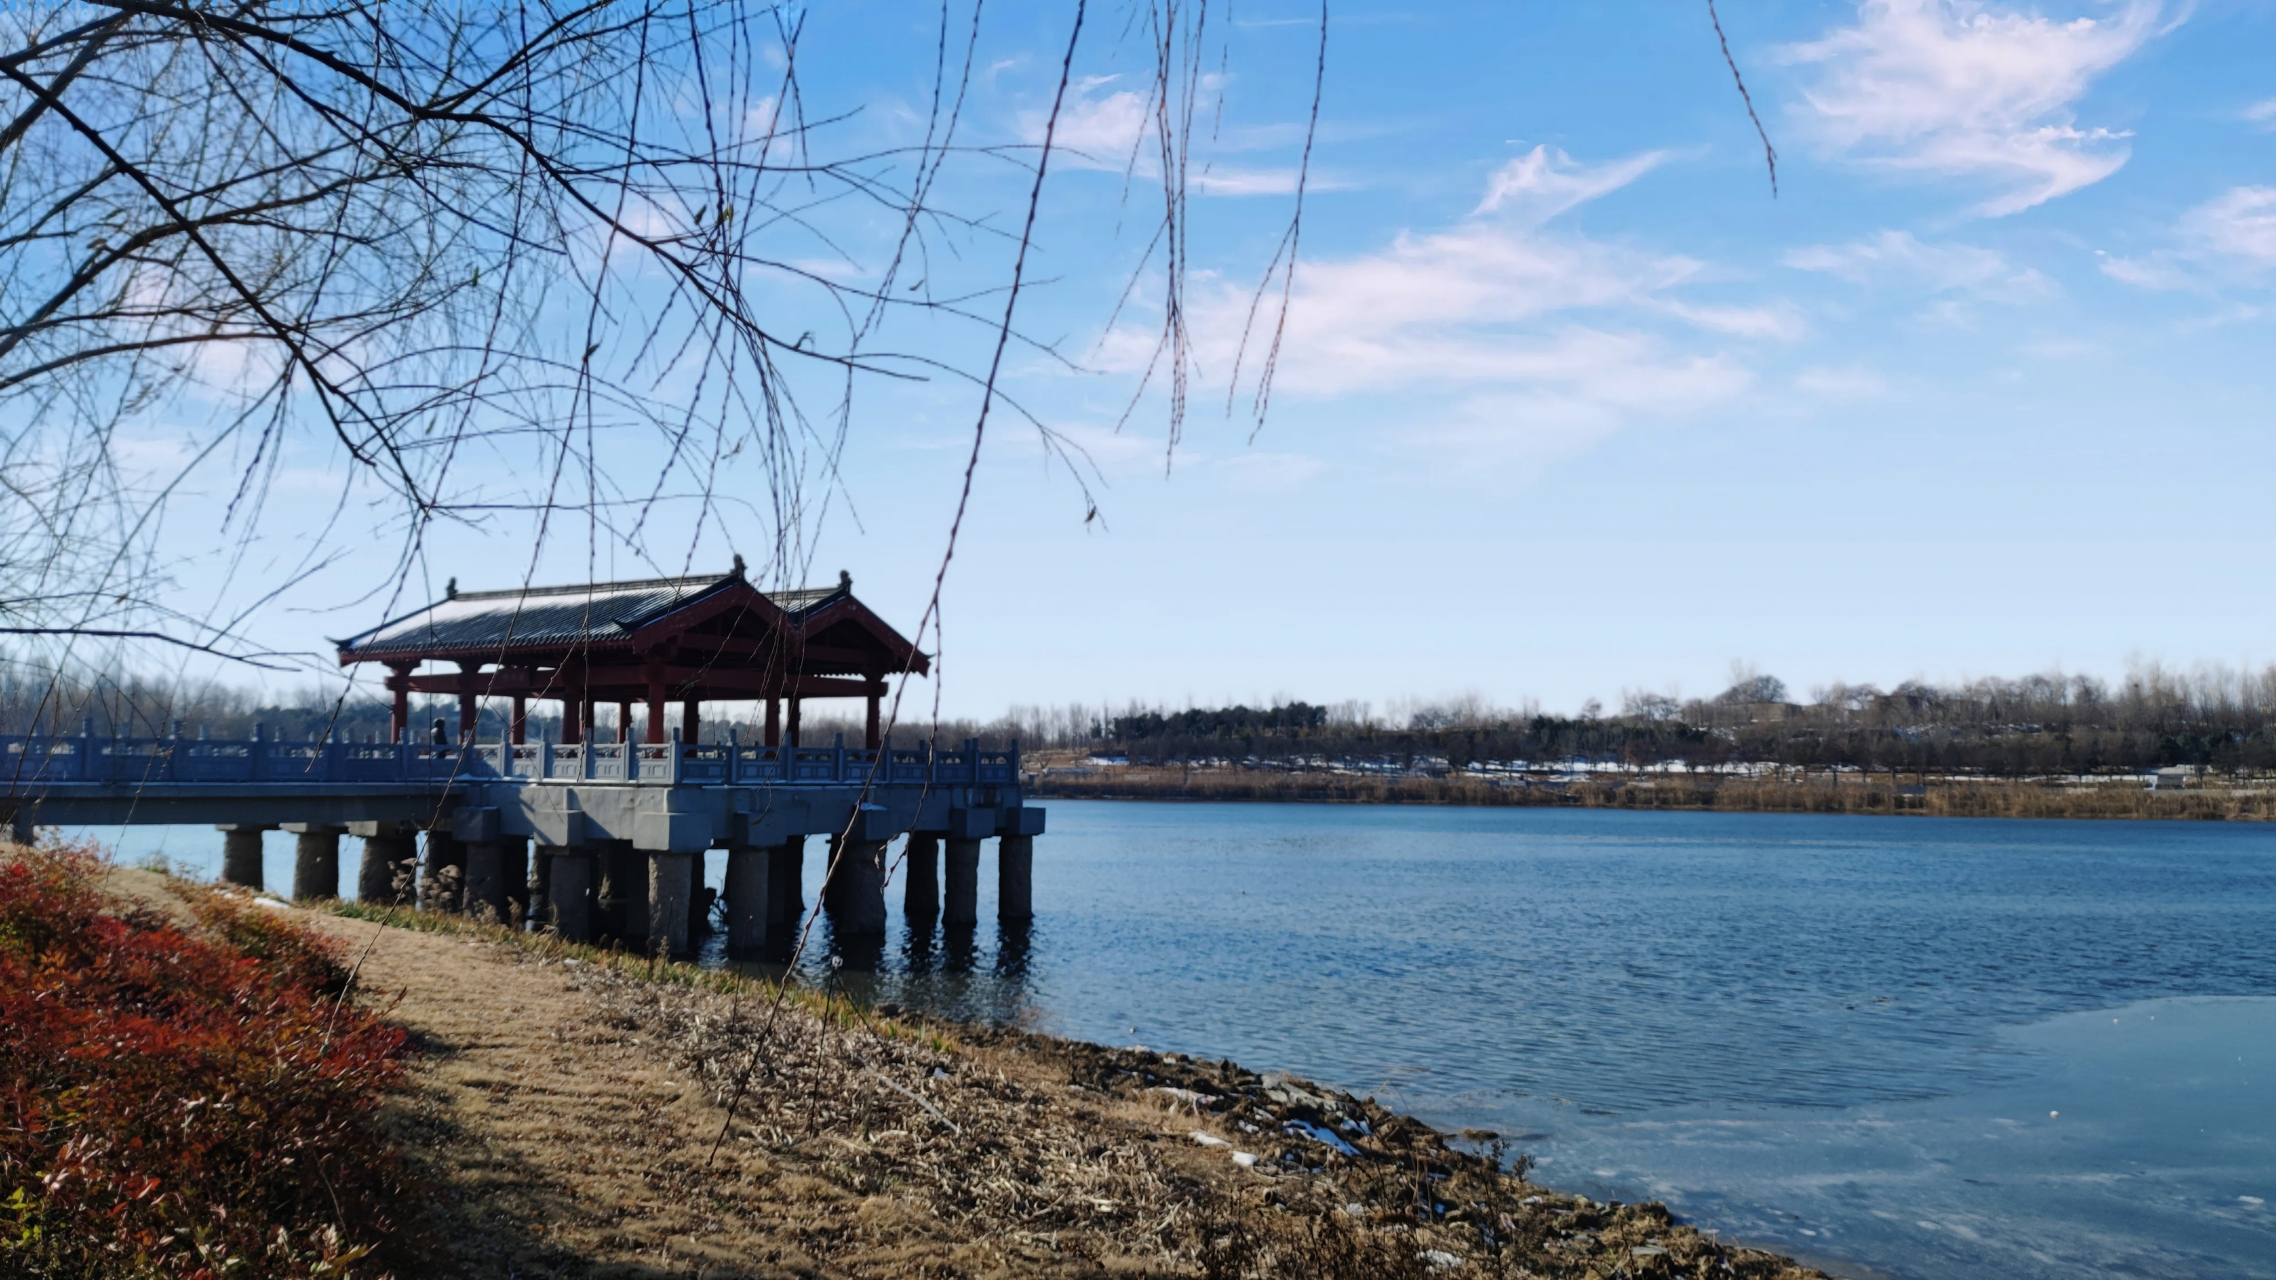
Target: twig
pixel 1769 153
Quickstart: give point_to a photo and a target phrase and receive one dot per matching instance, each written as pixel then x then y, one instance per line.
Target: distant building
pixel 2172 779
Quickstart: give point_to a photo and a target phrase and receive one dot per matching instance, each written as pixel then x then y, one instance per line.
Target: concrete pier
pixel 569 897
pixel 1015 878
pixel 241 853
pixel 859 878
pixel 540 887
pixel 513 869
pixel 920 895
pixel 485 880
pixel 963 905
pixel 390 862
pixel 747 897
pixel 671 886
pixel 624 893
pixel 442 876
pixel 786 889
pixel 315 860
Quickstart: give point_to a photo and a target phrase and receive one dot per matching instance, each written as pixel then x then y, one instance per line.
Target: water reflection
pixel 976 972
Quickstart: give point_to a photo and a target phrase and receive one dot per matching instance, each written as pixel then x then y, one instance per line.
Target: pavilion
pixel 654 641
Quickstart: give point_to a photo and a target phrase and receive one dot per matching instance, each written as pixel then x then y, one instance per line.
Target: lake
pixel 1892 1046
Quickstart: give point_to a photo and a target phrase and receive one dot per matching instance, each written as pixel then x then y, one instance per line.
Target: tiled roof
pixel 595 613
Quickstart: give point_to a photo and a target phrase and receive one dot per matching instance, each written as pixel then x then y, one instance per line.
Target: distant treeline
pixel 2041 725
pixel 2219 719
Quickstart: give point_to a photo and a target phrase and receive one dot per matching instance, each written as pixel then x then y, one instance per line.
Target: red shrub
pixel 178 1105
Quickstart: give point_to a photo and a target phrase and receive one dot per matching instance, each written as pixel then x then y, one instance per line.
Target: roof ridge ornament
pixel 845 582
pixel 450 589
pixel 737 571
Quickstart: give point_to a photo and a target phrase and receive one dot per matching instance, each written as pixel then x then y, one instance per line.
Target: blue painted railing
pixel 42 760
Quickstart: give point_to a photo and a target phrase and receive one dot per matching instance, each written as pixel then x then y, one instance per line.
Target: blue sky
pixel 1569 403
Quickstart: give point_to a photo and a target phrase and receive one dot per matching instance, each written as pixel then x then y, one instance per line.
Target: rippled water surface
pixel 1917 1047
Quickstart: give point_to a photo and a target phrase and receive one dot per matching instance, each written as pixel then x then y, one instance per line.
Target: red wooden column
pixel 691 720
pixel 774 722
pixel 572 720
pixel 624 722
pixel 655 702
pixel 794 701
pixel 520 730
pixel 876 690
pixel 469 708
pixel 399 718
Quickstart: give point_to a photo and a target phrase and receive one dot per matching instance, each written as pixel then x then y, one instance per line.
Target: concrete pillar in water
pixel 513 869
pixel 390 863
pixel 700 898
pixel 963 905
pixel 786 888
pixel 485 880
pixel 920 898
pixel 315 860
pixel 1015 877
pixel 442 877
pixel 624 892
pixel 833 882
pixel 747 897
pixel 569 892
pixel 860 881
pixel 540 887
pixel 241 853
pixel 671 883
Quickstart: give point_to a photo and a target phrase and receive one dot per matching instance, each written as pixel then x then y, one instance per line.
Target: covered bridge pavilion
pixel 654 641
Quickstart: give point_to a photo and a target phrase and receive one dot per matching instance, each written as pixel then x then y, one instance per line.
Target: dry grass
pixel 1957 799
pixel 566 1105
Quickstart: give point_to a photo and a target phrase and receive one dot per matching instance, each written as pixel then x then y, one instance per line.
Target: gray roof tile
pixel 586 613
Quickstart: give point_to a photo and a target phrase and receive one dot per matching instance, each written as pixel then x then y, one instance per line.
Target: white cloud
pixel 2240 224
pixel 1114 130
pixel 1499 328
pixel 2262 112
pixel 2236 229
pixel 1962 89
pixel 1901 259
pixel 1841 384
pixel 1544 183
pixel 1227 181
pixel 1098 130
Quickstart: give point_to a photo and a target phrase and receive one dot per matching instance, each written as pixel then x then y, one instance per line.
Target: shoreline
pixel 2118 801
pixel 1254 1174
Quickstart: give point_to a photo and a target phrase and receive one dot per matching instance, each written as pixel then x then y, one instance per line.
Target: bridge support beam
pixel 1015 878
pixel 390 864
pixel 241 853
pixel 315 860
pixel 786 887
pixel 569 896
pixel 858 878
pixel 963 906
pixel 671 887
pixel 920 896
pixel 748 873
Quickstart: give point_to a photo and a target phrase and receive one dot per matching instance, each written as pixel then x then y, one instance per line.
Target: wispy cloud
pixel 1961 89
pixel 1902 260
pixel 1544 183
pixel 2239 224
pixel 2233 233
pixel 1499 320
pixel 2262 112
